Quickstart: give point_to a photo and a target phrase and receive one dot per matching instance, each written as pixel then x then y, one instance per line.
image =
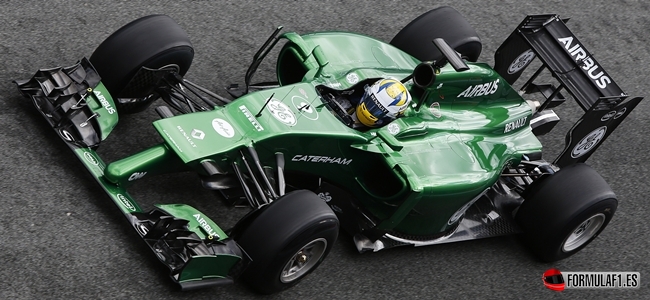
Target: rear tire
pixel 565 212
pixel 154 42
pixel 287 240
pixel 442 22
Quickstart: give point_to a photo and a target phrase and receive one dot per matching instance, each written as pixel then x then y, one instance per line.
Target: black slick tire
pixel 565 212
pixel 154 42
pixel 287 241
pixel 442 22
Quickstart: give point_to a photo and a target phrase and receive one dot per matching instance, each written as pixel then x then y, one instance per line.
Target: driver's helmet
pixel 382 102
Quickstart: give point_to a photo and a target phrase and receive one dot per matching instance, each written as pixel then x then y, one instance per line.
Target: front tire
pixel 287 240
pixel 154 42
pixel 565 212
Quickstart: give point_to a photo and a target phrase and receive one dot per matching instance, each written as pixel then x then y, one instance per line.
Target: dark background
pixel 61 238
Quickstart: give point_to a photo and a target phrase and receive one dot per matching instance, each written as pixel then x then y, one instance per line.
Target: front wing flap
pixel 73 101
pixel 77 106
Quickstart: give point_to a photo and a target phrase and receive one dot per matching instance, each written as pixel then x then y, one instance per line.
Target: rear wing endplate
pixel 548 38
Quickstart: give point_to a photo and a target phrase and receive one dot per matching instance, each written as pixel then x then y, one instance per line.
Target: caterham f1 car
pixel 462 162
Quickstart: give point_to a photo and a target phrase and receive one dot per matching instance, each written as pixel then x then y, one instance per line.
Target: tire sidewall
pixel 557 204
pixel 277 233
pixel 552 244
pixel 271 282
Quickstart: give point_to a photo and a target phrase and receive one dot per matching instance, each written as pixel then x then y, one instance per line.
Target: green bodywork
pixel 415 175
pixel 155 160
pixel 409 182
pixel 199 267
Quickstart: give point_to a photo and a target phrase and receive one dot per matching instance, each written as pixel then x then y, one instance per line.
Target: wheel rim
pixel 584 232
pixel 304 260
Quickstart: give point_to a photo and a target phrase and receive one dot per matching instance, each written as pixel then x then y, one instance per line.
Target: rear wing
pixel 548 38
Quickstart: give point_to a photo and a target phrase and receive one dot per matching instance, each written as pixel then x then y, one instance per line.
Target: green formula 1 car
pixel 462 162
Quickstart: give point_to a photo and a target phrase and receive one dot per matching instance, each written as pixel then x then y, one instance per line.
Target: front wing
pixel 78 107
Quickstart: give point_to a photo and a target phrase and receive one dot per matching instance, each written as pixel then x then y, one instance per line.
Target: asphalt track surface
pixel 61 238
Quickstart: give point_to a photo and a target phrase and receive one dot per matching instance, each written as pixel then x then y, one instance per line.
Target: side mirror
pixel 450 55
pixel 320 59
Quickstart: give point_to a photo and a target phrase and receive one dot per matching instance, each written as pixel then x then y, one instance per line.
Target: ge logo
pixel 325 196
pixel 521 61
pixel 282 112
pixel 589 142
pixel 352 78
pixel 393 128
